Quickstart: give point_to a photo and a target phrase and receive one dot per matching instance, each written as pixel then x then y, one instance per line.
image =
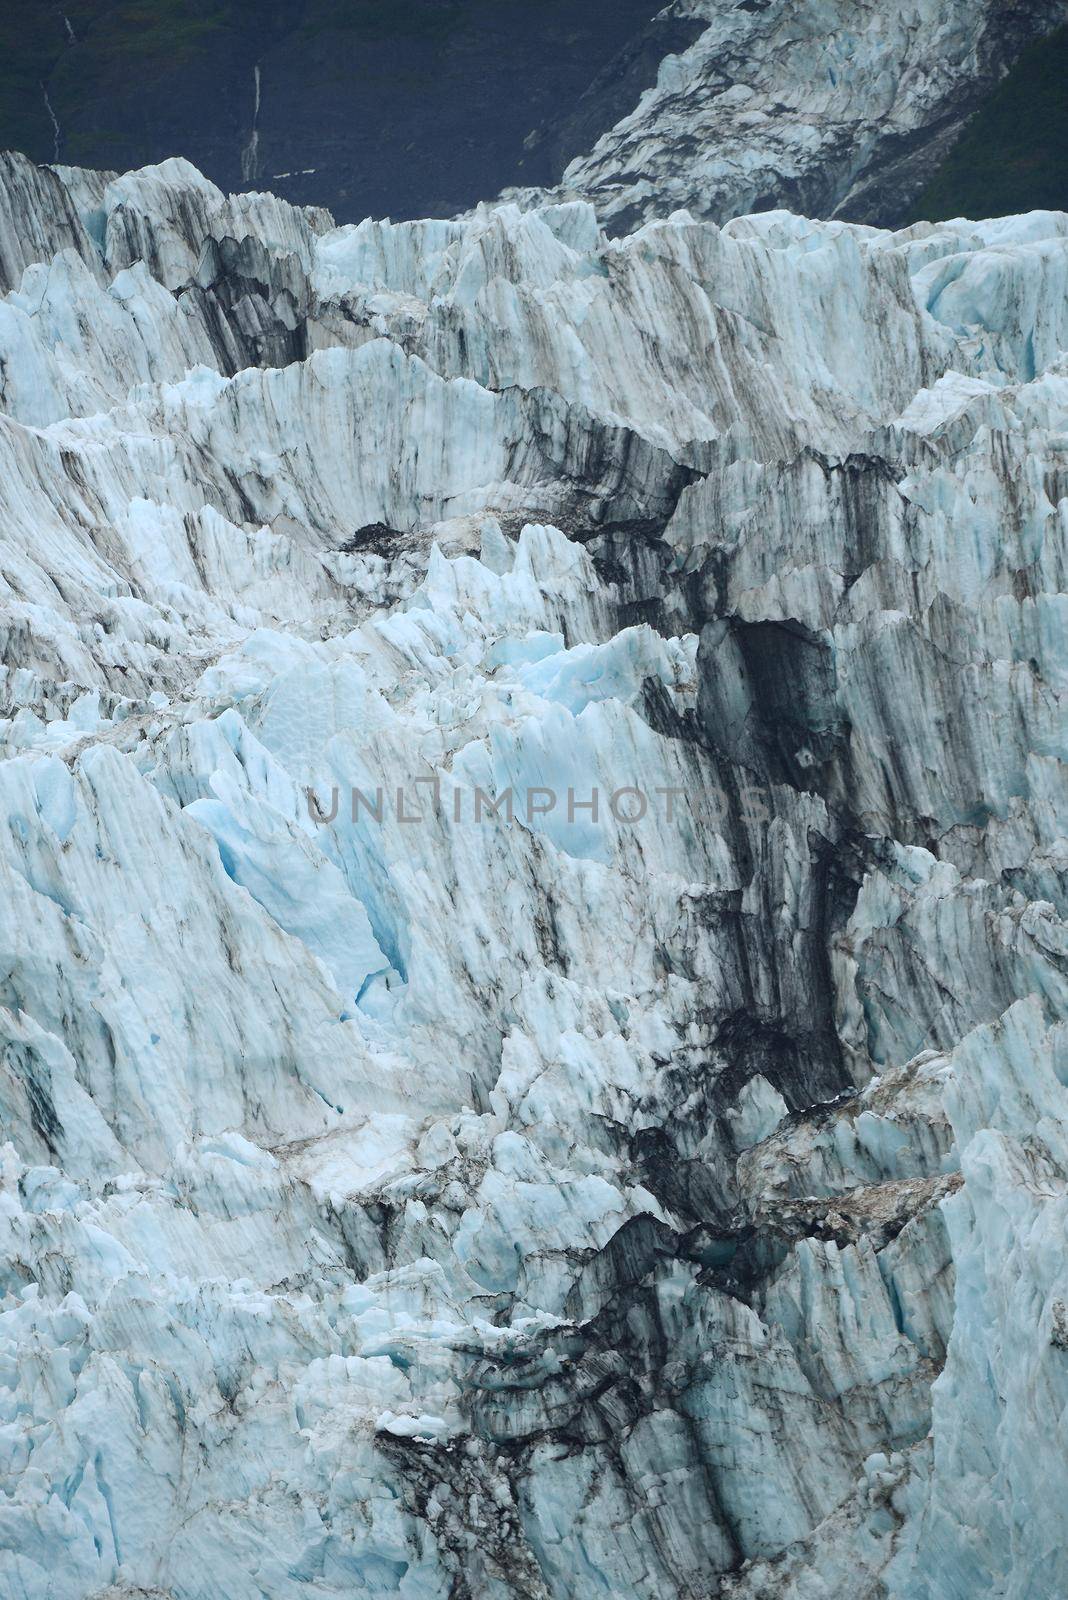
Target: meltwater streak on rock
pixel 541 1208
pixel 250 155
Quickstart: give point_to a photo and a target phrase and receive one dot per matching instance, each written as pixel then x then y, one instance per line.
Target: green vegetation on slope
pixel 401 107
pixel 109 40
pixel 1013 154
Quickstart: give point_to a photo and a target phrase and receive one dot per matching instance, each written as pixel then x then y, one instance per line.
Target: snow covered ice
pixel 548 1206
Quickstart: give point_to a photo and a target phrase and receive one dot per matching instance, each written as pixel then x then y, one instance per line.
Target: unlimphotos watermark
pixel 419 800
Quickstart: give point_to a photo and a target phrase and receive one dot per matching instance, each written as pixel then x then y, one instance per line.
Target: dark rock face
pixel 418 109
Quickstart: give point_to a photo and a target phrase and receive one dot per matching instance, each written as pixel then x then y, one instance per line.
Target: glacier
pixel 837 108
pixel 570 1203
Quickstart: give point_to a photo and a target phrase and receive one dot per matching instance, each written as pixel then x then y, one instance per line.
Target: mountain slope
pixel 427 108
pixel 412 110
pixel 1012 154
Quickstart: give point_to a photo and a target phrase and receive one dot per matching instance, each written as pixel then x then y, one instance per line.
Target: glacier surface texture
pixel 399 1201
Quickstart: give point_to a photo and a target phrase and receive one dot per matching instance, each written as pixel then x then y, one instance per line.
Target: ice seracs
pixel 428 1196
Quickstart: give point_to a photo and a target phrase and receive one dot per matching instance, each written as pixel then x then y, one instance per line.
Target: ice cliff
pixel 400 1201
